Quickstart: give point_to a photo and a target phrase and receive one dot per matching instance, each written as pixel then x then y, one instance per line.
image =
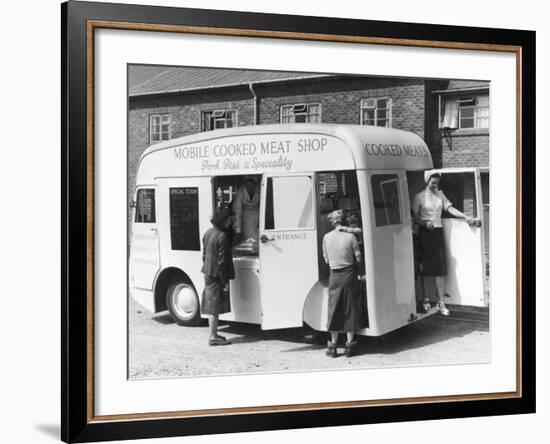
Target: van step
pixel 480 314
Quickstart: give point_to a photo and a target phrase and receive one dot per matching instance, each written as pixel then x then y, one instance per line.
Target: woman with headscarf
pixel 218 270
pixel 427 207
pixel 342 253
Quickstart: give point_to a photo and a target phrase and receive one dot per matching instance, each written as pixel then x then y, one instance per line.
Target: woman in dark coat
pixel 218 270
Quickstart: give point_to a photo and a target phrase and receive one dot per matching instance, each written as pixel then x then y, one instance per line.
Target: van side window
pixel 184 218
pixel 385 193
pixel 289 203
pixel 145 206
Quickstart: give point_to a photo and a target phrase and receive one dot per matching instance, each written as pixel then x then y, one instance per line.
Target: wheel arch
pixel 165 278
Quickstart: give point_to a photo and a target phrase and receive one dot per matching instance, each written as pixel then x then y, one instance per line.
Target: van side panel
pixel 184 252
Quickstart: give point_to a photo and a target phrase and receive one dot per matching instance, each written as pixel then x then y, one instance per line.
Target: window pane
pixel 368 118
pixel 467 111
pixel 369 103
pixel 184 218
pixel 313 109
pixel 289 203
pixel 145 206
pixel 466 123
pixel 300 118
pixel 482 122
pixel 382 103
pixel 315 118
pixel 385 192
pixel 482 117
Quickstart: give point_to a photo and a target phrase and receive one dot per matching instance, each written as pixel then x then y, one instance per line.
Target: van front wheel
pixel 183 304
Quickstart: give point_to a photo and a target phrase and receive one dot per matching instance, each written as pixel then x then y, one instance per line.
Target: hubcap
pixel 185 301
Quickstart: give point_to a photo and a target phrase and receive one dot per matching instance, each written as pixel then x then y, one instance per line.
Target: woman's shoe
pixel 350 348
pixel 426 305
pixel 218 341
pixel 442 309
pixel 331 350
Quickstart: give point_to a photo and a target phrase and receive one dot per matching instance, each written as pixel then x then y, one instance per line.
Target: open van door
pixel 466 280
pixel 288 244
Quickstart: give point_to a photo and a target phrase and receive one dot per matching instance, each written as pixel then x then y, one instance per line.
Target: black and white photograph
pixel 300 221
pixel 265 222
pixel 288 222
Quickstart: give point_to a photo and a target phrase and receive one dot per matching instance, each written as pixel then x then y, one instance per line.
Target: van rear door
pixel 145 242
pixel 466 282
pixel 391 299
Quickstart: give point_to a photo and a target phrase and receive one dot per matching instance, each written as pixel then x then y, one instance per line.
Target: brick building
pixel 168 102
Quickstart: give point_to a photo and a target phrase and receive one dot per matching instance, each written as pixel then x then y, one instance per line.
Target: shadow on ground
pixel 431 330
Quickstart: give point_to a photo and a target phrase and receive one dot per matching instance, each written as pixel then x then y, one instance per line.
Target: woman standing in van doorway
pixel 427 207
pixel 342 253
pixel 218 270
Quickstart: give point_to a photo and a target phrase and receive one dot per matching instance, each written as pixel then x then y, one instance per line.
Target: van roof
pixel 366 147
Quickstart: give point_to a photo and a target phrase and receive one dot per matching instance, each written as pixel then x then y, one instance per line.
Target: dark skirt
pixel 346 307
pixel 432 252
pixel 214 299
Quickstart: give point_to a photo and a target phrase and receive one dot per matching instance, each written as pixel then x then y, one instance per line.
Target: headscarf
pixel 428 174
pixel 336 217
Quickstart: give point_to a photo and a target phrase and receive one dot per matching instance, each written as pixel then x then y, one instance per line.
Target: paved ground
pixel 160 348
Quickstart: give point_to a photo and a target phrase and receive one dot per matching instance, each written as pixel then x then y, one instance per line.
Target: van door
pixel 390 255
pixel 466 280
pixel 288 248
pixel 145 241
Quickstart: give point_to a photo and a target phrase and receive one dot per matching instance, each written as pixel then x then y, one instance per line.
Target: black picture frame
pixel 77 422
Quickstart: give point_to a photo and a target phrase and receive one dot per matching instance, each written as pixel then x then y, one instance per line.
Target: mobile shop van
pixel 303 173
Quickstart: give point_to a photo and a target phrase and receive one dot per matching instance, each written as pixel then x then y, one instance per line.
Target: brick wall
pixel 340 100
pixel 465 149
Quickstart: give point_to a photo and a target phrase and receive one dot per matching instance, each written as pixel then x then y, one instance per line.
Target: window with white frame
pixel 465 112
pixel 221 118
pixel 301 113
pixel 159 127
pixel 376 111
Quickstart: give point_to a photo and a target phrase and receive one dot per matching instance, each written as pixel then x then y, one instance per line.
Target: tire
pixel 183 304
